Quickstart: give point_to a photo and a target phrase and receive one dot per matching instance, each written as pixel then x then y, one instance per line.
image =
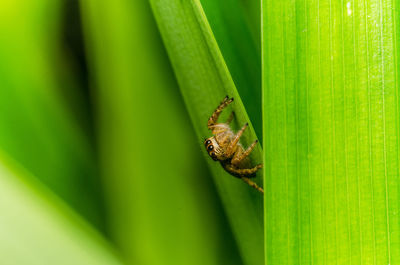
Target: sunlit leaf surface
pixel 331 131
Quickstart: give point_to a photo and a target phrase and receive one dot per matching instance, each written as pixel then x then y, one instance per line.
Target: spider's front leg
pixel 214 117
pixel 230 118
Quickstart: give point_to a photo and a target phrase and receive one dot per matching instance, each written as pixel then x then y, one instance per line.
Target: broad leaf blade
pixel 204 81
pixel 331 127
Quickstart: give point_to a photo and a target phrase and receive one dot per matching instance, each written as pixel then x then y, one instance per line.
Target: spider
pixel 224 147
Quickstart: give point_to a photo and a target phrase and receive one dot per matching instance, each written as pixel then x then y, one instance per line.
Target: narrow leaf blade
pixel 204 81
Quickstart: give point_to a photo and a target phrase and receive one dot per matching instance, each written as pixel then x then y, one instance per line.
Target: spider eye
pixel 213 156
pixel 210 148
pixel 208 142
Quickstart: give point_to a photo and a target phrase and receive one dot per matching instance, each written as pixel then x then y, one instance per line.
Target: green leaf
pixel 36 127
pixel 240 50
pixel 162 207
pixel 204 81
pixel 331 132
pixel 36 227
pixel 252 13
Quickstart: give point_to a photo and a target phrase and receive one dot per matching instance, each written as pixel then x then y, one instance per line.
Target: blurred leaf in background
pixel 36 227
pixel 162 206
pixel 37 126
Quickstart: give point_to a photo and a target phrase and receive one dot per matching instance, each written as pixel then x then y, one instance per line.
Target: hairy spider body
pixel 225 147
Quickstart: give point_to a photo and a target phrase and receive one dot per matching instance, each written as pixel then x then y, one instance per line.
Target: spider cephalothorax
pixel 224 146
pixel 213 148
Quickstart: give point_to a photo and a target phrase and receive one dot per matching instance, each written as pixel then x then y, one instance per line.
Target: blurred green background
pixel 99 160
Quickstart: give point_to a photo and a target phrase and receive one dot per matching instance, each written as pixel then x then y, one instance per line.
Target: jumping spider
pixel 224 146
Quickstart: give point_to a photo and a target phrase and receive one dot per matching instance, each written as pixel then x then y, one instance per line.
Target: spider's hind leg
pixel 243 172
pixel 252 184
pixel 214 117
pixel 240 156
